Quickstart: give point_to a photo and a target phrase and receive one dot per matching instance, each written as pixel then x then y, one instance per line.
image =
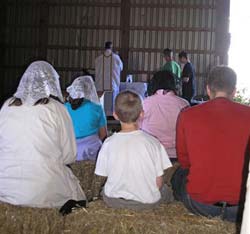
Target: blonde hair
pixel 128 107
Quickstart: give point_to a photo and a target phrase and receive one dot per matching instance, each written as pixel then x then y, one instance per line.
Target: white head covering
pixel 83 87
pixel 40 80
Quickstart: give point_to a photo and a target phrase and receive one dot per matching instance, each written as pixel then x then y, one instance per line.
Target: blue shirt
pixel 87 119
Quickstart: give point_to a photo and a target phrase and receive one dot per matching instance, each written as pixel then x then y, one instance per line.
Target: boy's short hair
pixel 183 54
pixel 222 78
pixel 128 106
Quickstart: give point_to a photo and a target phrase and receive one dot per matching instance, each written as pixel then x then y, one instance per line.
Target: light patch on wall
pixel 239 52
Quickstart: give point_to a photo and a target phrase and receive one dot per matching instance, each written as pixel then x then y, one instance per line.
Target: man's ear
pixel 115 116
pixel 208 91
pixel 142 114
pixel 234 93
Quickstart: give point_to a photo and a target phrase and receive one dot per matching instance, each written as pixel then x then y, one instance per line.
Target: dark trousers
pixel 221 209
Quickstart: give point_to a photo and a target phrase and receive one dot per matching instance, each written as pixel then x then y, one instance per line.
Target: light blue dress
pixel 87 120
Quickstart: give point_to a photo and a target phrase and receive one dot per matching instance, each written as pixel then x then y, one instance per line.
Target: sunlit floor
pixel 239 53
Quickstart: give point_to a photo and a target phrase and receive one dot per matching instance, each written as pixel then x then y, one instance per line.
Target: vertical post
pixel 222 42
pixel 3 20
pixel 43 29
pixel 125 29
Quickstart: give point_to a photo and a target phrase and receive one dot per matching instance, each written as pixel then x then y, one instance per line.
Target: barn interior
pixel 70 34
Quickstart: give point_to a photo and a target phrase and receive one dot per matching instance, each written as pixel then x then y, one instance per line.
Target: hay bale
pixel 90 183
pixel 84 171
pixel 167 219
pixel 98 218
pixel 22 220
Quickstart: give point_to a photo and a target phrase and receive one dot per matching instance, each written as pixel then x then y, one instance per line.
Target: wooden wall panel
pixel 71 34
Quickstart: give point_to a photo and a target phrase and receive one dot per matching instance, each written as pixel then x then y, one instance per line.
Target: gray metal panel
pixel 77 30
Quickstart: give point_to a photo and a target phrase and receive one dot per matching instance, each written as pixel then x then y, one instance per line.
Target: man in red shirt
pixel 212 140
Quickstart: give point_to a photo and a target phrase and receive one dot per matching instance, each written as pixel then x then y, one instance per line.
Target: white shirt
pixel 108 69
pixel 36 144
pixel 132 161
pixel 245 228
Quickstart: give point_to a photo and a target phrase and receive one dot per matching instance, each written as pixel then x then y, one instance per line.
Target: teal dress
pixel 87 120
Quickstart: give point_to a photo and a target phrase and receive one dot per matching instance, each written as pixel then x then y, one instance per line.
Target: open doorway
pixel 239 52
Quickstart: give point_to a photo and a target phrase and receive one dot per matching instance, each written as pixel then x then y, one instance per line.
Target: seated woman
pixel 88 117
pixel 37 143
pixel 161 110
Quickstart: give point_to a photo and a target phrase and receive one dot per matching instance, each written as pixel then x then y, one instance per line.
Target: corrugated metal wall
pixel 71 33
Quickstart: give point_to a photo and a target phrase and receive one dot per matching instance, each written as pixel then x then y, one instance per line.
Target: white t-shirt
pixel 132 161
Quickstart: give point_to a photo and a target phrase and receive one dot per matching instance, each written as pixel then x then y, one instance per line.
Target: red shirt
pixel 211 142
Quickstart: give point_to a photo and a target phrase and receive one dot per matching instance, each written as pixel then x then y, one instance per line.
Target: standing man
pixel 188 77
pixel 108 67
pixel 172 66
pixel 212 140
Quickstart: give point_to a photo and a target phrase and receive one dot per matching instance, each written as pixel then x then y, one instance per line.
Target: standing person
pixel 171 65
pixel 161 110
pixel 88 117
pixel 108 67
pixel 212 140
pixel 37 143
pixel 133 161
pixel 188 77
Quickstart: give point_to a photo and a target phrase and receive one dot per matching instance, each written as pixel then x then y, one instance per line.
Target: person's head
pixel 161 80
pixel 168 54
pixel 183 57
pixel 39 83
pixel 83 87
pixel 221 82
pixel 128 107
pixel 108 45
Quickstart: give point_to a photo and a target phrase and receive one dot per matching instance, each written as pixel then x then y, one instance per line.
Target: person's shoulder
pixel 181 100
pixel 149 138
pixel 242 108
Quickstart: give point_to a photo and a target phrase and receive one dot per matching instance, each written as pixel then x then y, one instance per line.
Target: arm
pixel 181 147
pixel 102 133
pixel 159 182
pixel 67 137
pixel 102 125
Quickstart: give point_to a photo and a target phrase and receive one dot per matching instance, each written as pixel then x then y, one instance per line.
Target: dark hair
pixel 183 54
pixel 161 80
pixel 128 106
pixel 75 103
pixel 108 45
pixel 222 78
pixel 43 101
pixel 168 52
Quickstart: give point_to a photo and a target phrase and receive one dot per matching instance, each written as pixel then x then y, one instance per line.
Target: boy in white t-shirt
pixel 133 161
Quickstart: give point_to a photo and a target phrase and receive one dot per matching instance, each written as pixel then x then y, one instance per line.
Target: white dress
pixel 36 144
pixel 108 72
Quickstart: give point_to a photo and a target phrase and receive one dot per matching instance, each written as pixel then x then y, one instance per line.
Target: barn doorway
pixel 239 51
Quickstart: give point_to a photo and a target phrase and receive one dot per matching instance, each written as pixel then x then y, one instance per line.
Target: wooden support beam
pixel 222 42
pixel 125 21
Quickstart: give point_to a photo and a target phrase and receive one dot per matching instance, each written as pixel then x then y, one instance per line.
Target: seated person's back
pixel 88 117
pixel 212 141
pixel 37 143
pixel 161 110
pixel 215 134
pixel 132 160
